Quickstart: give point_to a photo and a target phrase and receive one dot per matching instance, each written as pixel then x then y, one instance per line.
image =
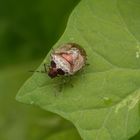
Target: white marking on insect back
pixel 61 63
pixel 79 63
pixel 75 52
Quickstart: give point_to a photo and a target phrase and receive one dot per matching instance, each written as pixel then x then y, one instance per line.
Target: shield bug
pixel 66 60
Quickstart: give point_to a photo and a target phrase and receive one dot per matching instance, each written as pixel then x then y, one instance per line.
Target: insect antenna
pixel 45 68
pixel 38 71
pixel 41 71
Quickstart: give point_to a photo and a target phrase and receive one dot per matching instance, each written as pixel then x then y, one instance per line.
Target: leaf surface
pixel 104 102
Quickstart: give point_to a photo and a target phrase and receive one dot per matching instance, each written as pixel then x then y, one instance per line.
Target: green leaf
pixel 104 102
pixel 20 121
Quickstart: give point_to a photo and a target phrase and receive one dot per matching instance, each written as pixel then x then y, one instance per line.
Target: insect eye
pixel 53 65
pixel 60 71
pixel 52 73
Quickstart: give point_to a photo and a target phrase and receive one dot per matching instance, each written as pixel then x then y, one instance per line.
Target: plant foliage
pixel 104 102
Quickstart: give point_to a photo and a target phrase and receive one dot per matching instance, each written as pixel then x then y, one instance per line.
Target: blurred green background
pixel 28 29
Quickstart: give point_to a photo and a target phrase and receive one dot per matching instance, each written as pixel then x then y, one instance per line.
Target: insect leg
pixel 45 68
